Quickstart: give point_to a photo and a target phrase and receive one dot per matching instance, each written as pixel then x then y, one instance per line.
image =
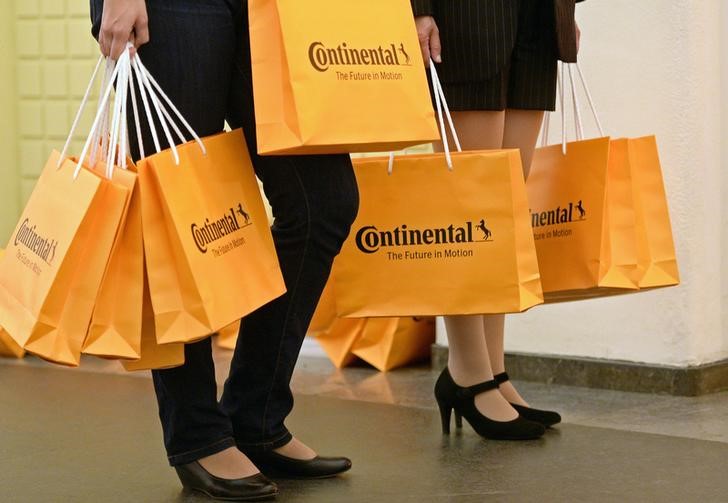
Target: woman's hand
pixel 123 21
pixel 429 36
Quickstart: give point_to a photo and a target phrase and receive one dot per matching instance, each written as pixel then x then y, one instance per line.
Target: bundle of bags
pixel 463 233
pixel 131 261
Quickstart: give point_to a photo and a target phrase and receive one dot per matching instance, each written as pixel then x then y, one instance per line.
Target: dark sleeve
pixel 423 7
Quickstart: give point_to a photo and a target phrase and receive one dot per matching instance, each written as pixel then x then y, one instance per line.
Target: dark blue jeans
pixel 199 53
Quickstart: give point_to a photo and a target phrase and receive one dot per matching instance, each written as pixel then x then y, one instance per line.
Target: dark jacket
pixel 483 33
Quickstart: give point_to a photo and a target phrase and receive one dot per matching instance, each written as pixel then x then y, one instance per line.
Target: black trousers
pixel 199 52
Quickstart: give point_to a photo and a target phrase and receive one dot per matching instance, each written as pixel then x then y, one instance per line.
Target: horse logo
pixel 582 212
pixel 408 61
pixel 484 229
pixel 243 213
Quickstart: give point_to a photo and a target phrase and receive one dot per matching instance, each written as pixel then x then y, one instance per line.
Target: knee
pixel 318 204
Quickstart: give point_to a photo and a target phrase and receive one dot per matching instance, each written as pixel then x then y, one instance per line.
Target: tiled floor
pixel 85 435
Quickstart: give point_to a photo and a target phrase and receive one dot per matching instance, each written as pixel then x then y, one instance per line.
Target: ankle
pixel 297 450
pixel 468 375
pixel 229 464
pixel 511 394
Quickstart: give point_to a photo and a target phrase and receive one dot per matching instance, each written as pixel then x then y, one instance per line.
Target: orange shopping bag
pixel 340 338
pixel 116 326
pixel 56 258
pixel 429 241
pixel 583 219
pixel 209 251
pixel 227 337
pixel 334 77
pixel 657 261
pixel 8 347
pixel 153 354
pixel 388 343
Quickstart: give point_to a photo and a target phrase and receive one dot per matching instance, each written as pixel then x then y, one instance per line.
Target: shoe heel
pixel 445 412
pixel 458 420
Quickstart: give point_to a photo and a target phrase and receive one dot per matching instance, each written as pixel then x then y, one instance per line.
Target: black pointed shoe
pixel 451 397
pixel 548 418
pixel 254 488
pixel 277 465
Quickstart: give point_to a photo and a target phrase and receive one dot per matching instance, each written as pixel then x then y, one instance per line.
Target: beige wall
pixel 46 54
pixel 657 71
pixel 9 174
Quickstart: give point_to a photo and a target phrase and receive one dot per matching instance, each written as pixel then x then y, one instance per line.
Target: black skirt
pixel 522 77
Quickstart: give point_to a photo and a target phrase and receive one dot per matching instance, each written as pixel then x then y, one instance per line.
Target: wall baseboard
pixel 610 374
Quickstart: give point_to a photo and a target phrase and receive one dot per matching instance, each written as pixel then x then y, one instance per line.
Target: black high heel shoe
pixel 547 418
pixel 451 397
pixel 254 488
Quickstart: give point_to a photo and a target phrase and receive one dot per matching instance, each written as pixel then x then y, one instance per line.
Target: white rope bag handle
pixel 111 136
pixel 150 92
pixel 102 138
pixel 103 101
pixel 443 111
pixel 578 123
pixel 79 113
pixel 100 141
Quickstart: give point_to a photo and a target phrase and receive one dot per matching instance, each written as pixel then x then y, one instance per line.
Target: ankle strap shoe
pixel 461 399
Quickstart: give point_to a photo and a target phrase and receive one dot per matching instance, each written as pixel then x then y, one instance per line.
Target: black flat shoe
pixel 254 488
pixel 451 397
pixel 547 418
pixel 277 465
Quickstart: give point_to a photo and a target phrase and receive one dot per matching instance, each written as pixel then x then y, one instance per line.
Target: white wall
pixel 654 67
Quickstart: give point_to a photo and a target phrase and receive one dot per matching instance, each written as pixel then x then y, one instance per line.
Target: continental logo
pixel 573 212
pixel 206 234
pixel 322 57
pixel 370 239
pixel 43 247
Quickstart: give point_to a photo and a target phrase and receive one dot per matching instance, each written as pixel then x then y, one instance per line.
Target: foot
pixel 296 449
pixel 229 464
pixel 509 392
pixel 298 461
pixel 547 418
pixel 491 403
pixel 195 477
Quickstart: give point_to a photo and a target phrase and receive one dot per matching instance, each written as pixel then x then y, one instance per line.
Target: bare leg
pixel 477 130
pixel 520 131
pixel 468 359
